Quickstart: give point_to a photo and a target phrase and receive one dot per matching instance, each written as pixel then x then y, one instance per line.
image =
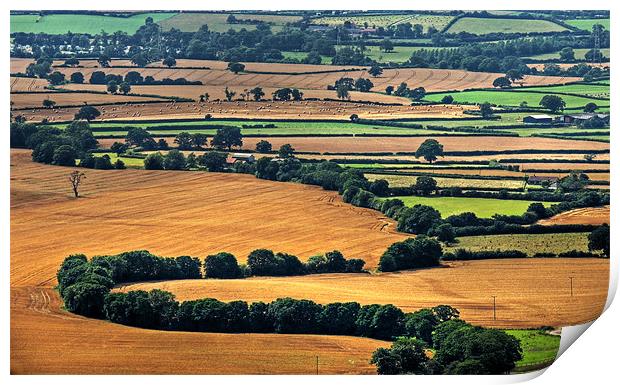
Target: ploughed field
pixel 530 292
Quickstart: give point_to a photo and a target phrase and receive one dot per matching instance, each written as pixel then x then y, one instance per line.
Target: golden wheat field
pixel 410 144
pixel 530 292
pixel 307 109
pixel 587 215
pixel 195 213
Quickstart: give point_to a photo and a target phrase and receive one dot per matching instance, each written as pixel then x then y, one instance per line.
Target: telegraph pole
pixel 317 365
pixel 571 285
pixel 494 312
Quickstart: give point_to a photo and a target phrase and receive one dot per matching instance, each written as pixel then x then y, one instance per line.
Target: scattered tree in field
pixel 590 107
pixel 402 89
pixel 589 157
pixel 229 94
pixel 104 60
pixel 430 149
pixel 119 165
pixel 87 113
pixel 236 67
pixel 389 90
pixel 445 233
pixel 191 161
pixel 72 61
pixel 174 160
pixel 387 45
pixel 514 75
pixel 77 77
pixel 412 253
pixel 502 82
pixel 124 87
pixel 405 356
pixel 183 140
pixel 169 62
pixel 76 178
pixel 375 70
pixel 139 137
pixel 553 103
pixel 286 151
pixel 154 161
pixel 49 103
pixel 574 181
pixel 257 93
pixel 486 111
pixel 296 94
pixel 227 137
pixel 599 240
pixel 417 93
pixel 354 117
pixel 363 85
pixel 213 161
pixel 425 185
pixel 567 54
pixel 263 146
pixel 64 155
pixel 448 99
pixel 342 92
pixel 119 148
pixel 56 78
pixel 112 87
pixel 222 265
pixel 139 60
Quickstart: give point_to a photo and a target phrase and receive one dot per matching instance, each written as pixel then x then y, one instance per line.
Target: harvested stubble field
pixel 287 75
pixel 410 144
pixel 408 180
pixel 28 84
pixel 528 243
pixel 36 99
pixel 530 292
pixel 196 208
pixel 131 209
pixel 217 92
pixel 588 216
pixel 76 345
pixel 481 26
pixel 457 159
pixel 307 110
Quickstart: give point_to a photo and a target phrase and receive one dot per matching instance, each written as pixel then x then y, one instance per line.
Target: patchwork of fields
pixel 180 208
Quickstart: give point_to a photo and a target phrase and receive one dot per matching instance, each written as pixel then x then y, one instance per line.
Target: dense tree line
pixel 85 287
pixel 264 262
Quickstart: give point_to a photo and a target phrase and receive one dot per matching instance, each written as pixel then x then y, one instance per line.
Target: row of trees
pixel 263 262
pixel 85 288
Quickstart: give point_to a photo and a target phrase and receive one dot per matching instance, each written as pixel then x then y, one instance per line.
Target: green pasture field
pixel 400 54
pixel 302 55
pixel 510 98
pixel 580 54
pixel 538 347
pixel 528 243
pixel 482 26
pixel 589 90
pixel 191 22
pixel 282 128
pixel 587 24
pixel 437 21
pixel 482 207
pixel 129 162
pixel 78 23
pixel 408 180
